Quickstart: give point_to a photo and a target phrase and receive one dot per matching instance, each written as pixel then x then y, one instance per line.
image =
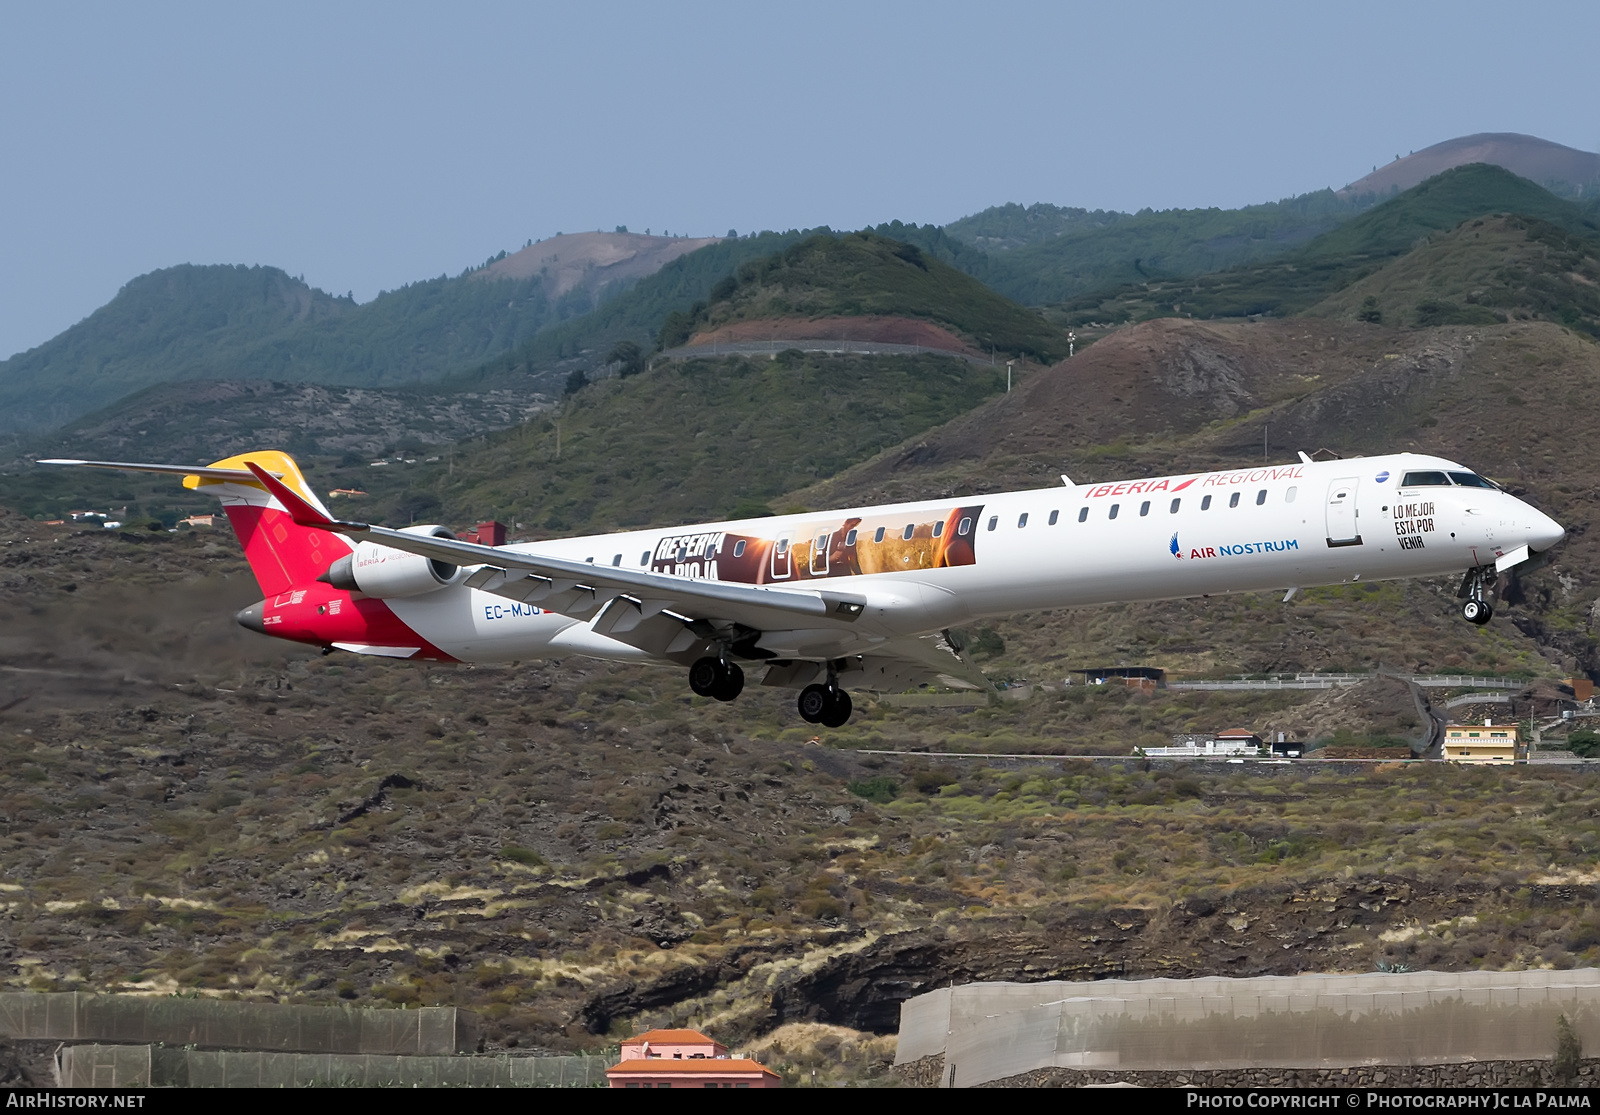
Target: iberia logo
pixel 1177 550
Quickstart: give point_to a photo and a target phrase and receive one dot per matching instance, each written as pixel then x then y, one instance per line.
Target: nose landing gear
pixel 1476 610
pixel 716 677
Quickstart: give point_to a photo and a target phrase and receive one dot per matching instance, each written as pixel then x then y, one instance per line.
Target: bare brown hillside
pixel 1533 158
pixel 593 259
pixel 877 329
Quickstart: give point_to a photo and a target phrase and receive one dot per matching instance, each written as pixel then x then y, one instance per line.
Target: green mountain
pixel 1001 228
pixel 1486 270
pixel 1157 245
pixel 865 273
pixel 1340 257
pixel 221 322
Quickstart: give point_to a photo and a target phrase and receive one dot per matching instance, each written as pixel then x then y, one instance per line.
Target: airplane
pixel 860 598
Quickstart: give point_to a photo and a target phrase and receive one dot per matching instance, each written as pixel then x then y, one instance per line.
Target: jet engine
pixel 382 572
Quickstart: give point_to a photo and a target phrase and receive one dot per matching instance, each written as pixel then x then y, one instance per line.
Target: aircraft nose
pixel 1543 531
pixel 252 617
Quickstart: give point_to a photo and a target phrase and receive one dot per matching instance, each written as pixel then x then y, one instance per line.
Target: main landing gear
pixel 1473 588
pixel 716 677
pixel 827 705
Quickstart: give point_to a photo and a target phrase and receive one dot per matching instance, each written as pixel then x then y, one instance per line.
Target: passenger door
pixel 1343 530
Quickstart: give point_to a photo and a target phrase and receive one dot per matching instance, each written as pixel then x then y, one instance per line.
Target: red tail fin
pixel 282 553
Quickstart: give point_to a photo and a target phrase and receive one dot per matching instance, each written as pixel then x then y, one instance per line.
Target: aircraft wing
pixel 928 658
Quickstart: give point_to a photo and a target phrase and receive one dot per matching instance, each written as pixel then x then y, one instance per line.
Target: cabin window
pixel 964 527
pixel 821 544
pixel 877 535
pixel 1083 514
pixel 1022 520
pixel 1233 500
pixel 1144 509
pixel 644 558
pixel 617 560
pixel 783 546
pixel 938 528
pixel 1114 508
pixel 850 539
pixel 1054 515
pixel 1174 508
pixel 683 552
pixel 1205 503
pixel 738 548
pixel 1261 497
pixel 994 521
pixel 1425 480
pixel 911 528
pixel 1288 496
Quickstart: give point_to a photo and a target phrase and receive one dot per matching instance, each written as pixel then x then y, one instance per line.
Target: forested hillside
pixel 864 273
pixel 1298 280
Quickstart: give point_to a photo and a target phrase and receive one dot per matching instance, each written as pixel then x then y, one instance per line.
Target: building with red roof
pixel 685 1059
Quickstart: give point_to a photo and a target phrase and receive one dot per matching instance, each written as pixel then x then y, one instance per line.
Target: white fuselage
pixel 1239 530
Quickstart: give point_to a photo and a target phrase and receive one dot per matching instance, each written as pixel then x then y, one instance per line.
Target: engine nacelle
pixel 383 572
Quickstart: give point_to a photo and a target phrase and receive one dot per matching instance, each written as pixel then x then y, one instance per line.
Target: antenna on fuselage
pixel 1305 458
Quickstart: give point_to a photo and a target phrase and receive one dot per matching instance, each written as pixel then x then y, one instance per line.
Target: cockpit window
pixel 1425 480
pixel 1471 480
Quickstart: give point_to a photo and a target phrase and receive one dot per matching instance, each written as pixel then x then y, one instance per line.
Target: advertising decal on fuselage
pixel 1411 522
pixel 848 547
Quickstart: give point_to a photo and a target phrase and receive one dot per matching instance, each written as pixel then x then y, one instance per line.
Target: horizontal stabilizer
pixel 169 470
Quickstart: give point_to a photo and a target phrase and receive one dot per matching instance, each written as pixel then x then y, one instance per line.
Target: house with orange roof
pixel 685 1059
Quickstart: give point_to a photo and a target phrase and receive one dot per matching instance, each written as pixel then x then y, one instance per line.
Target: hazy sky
pixel 366 146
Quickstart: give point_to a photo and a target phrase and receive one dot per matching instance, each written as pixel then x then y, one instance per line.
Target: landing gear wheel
pixel 814 703
pixel 1476 611
pixel 715 677
pixel 732 683
pixel 704 676
pixel 827 705
pixel 839 710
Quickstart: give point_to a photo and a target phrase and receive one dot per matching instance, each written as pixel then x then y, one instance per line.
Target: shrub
pixel 1569 1052
pixel 880 789
pixel 1584 742
pixel 931 781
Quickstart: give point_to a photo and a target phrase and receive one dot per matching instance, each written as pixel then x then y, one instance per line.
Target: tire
pixel 732 683
pixel 813 704
pixel 706 676
pixel 839 710
pixel 1476 612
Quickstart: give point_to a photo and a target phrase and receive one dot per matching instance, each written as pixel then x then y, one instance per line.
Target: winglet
pixel 299 510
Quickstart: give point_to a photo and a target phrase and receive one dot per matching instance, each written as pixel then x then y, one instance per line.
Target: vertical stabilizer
pixel 280 551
